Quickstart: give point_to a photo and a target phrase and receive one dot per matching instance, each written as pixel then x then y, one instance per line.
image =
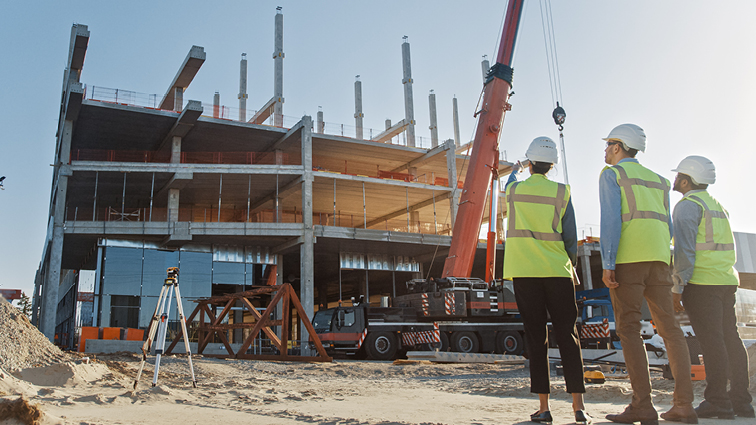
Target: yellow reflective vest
pixel 715 244
pixel 535 208
pixel 645 214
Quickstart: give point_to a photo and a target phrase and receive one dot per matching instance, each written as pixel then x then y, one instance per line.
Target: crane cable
pixel 555 83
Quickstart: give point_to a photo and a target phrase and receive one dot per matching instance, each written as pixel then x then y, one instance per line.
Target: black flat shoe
pixel 542 418
pixel 582 418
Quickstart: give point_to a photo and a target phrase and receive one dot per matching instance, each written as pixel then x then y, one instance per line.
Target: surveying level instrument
pixel 159 324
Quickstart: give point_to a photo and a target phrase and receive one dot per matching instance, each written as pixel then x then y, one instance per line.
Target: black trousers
pixel 556 296
pixel 711 309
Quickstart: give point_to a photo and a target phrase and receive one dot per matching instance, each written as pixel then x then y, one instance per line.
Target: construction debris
pixel 21 344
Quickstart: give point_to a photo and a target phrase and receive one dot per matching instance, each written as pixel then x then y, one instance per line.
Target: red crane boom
pixel 484 159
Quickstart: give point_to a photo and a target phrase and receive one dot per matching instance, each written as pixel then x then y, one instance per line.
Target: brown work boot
pixel 647 416
pixel 685 414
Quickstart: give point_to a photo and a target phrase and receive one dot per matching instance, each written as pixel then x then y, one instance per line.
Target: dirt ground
pixel 342 392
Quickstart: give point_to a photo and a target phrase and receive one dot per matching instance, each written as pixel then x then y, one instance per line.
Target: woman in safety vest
pixel 540 253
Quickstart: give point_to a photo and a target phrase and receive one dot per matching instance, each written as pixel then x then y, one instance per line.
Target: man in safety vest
pixel 706 282
pixel 541 251
pixel 636 230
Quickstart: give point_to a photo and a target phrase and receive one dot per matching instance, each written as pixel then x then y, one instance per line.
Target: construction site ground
pixel 69 389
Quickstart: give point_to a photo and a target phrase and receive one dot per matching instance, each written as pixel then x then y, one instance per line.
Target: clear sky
pixel 682 70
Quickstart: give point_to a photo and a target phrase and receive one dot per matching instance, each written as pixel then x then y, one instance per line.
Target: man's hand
pixel 677 302
pixel 608 279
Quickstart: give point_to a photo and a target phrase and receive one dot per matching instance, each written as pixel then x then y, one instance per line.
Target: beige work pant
pixel 652 281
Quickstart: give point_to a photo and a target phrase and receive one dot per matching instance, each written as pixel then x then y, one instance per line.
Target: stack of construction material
pixel 21 344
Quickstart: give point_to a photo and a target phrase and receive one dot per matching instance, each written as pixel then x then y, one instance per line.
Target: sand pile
pixel 62 374
pixel 21 344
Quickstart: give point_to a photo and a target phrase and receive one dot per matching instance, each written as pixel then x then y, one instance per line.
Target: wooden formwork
pixel 284 295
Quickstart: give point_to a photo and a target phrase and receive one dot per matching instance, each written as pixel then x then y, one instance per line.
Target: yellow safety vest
pixel 645 214
pixel 534 245
pixel 715 244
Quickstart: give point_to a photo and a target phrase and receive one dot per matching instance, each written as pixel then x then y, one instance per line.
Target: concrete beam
pixel 178 181
pixel 423 159
pixel 146 167
pixel 277 144
pixel 264 113
pixel 77 50
pixel 282 193
pixel 391 131
pixel 74 97
pixel 188 69
pixel 286 245
pixel 412 208
pixel 183 124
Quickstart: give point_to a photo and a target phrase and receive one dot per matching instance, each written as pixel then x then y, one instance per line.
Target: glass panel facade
pixel 228 273
pixel 154 272
pixel 196 271
pixel 132 278
pixel 122 271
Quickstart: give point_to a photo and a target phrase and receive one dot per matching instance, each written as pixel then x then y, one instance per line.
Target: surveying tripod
pixel 160 324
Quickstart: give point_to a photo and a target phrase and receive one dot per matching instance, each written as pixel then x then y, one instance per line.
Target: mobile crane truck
pixel 453 314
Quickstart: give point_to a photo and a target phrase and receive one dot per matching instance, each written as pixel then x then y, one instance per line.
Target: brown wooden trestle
pixel 284 294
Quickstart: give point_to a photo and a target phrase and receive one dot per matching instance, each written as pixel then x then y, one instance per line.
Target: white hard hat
pixel 542 149
pixel 632 136
pixel 701 170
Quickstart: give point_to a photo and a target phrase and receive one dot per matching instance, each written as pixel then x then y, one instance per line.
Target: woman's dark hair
pixel 541 167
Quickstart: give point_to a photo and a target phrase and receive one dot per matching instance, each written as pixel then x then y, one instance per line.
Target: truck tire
pixel 381 345
pixel 465 342
pixel 443 345
pixel 509 343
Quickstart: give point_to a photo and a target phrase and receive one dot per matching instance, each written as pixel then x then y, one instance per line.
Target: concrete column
pixel 49 304
pixel 321 123
pixel 216 105
pixel 456 121
pixel 585 256
pixel 414 221
pixel 178 99
pixel 307 255
pixel 451 169
pixel 176 150
pixel 38 281
pixel 278 57
pixel 409 108
pixel 358 115
pixel 243 88
pixel 433 119
pixel 484 67
pixel 173 205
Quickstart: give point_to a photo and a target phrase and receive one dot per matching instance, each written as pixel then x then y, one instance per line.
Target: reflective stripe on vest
pixel 558 203
pixel 645 233
pixel 627 183
pixel 715 245
pixel 534 246
pixel 708 215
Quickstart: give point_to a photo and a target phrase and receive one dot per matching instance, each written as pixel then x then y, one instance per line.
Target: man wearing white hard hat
pixel 706 283
pixel 636 229
pixel 539 257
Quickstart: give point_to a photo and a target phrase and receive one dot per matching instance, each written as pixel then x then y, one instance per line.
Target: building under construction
pixel 143 182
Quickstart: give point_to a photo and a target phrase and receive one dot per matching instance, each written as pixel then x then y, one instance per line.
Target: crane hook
pixel 559 116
